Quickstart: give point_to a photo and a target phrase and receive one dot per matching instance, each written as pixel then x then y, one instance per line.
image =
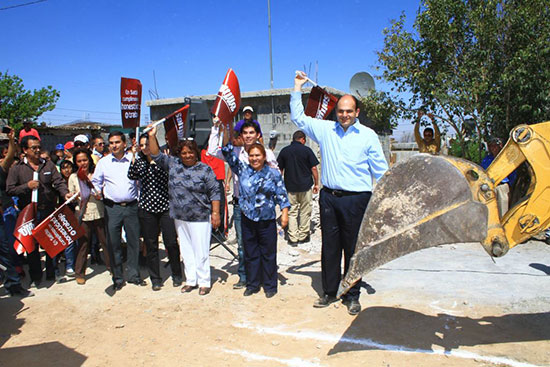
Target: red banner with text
pixel 24 242
pixel 320 103
pixel 58 231
pixel 175 126
pixel 130 102
pixel 227 103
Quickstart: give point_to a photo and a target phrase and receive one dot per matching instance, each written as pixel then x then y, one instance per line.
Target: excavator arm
pixel 430 200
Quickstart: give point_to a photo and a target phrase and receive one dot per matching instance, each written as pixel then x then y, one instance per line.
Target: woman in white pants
pixel 194 197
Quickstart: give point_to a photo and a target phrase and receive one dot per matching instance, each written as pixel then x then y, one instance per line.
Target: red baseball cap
pixel 69 145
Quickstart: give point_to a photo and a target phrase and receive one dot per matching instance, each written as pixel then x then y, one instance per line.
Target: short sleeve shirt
pixel 297 160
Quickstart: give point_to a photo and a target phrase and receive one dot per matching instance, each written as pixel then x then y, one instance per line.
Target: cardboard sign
pixel 130 102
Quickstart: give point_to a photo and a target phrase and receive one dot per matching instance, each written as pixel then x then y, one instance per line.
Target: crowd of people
pixel 140 191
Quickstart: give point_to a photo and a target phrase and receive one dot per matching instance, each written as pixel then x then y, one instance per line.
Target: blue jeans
pixel 12 280
pixel 70 255
pixel 237 221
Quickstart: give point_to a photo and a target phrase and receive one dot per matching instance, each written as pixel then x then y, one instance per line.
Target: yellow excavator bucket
pixel 423 202
pixel 432 200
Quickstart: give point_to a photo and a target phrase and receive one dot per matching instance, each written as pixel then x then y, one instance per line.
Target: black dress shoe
pixel 19 291
pixel 353 305
pixel 270 294
pixel 157 287
pixel 250 291
pixel 177 282
pixel 324 301
pixel 239 285
pixel 305 240
pixel 118 286
pixel 293 243
pixel 140 282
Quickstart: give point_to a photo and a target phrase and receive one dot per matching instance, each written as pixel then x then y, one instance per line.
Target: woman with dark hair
pixel 194 205
pixel 153 213
pixel 92 215
pixel 261 188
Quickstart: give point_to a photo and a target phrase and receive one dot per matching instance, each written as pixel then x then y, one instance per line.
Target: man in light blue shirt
pixel 120 198
pixel 351 156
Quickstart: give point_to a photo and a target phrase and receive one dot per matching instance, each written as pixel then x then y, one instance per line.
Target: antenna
pixel 153 94
pixel 361 84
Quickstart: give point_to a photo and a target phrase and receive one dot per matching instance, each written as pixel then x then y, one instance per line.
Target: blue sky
pixel 83 47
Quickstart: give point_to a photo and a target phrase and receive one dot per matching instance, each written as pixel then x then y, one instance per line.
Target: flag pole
pixel 60 207
pixel 155 124
pixel 303 75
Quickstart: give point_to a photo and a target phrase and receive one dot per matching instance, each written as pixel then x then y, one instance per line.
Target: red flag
pixel 58 231
pixel 23 229
pixel 130 102
pixel 228 101
pixel 86 186
pixel 175 126
pixel 320 103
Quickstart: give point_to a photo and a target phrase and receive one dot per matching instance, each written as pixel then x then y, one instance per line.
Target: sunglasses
pixel 35 147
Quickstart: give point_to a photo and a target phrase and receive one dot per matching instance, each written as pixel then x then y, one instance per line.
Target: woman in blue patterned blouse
pixel 194 200
pixel 261 189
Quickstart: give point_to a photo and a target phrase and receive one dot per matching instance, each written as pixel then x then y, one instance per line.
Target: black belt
pixel 111 203
pixel 340 193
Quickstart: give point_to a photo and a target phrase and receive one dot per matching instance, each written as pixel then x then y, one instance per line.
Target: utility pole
pixel 270 62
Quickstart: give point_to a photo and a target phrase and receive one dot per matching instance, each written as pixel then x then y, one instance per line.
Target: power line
pixel 72 109
pixel 25 4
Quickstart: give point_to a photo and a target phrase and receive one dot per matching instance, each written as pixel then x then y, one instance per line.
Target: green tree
pixel 482 63
pixel 18 104
pixel 381 110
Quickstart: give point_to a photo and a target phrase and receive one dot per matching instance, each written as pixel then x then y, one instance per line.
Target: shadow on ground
pixel 50 354
pixel 390 328
pixel 544 268
pixel 10 308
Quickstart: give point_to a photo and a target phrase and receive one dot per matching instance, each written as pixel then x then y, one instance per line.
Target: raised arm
pixel 417 136
pixel 310 126
pixel 437 134
pixel 10 156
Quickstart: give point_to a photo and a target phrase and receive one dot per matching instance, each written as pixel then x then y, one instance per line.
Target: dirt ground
pixel 446 306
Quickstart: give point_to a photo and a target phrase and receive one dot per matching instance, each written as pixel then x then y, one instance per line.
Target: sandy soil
pixel 400 325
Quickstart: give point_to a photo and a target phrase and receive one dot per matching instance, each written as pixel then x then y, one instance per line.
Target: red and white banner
pixel 58 231
pixel 130 102
pixel 23 229
pixel 175 126
pixel 226 106
pixel 320 103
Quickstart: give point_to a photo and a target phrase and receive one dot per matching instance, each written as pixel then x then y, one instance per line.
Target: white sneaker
pixel 70 272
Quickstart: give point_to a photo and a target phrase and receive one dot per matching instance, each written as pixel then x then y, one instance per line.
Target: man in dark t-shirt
pixel 299 166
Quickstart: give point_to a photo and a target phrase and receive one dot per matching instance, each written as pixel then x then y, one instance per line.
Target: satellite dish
pixel 361 84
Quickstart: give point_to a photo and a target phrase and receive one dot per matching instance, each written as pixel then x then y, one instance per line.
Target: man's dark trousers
pixel 341 218
pixel 115 217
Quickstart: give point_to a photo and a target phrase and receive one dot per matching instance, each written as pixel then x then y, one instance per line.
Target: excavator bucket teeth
pixel 423 202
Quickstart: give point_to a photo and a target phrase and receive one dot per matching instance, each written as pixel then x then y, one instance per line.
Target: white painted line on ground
pixel 293 362
pixel 334 338
pixel 435 306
